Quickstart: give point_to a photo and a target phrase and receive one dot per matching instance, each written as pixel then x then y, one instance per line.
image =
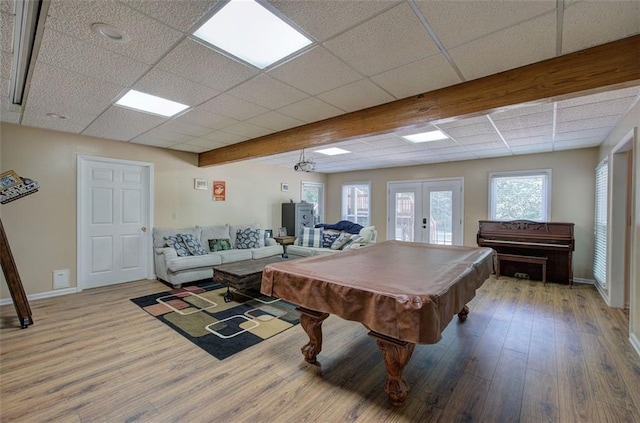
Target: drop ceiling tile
pixel 519 122
pixel 224 137
pixel 533 148
pixel 174 88
pixel 479 139
pixel 590 23
pixel 577 125
pixel 198 63
pixel 84 58
pixel 357 96
pixel 542 139
pixel 576 143
pixel 353 146
pixel 162 135
pixel 458 22
pixel 6 30
pixel 148 140
pixel 122 124
pixel 530 42
pixel 597 135
pixel 202 142
pixel 451 149
pixel 5 66
pixel 522 110
pixel 594 110
pixel 78 97
pixel 189 148
pixel 324 22
pixel 207 119
pixel 482 128
pixel 390 141
pixel 149 39
pixel 311 110
pixel 418 77
pixel 484 146
pixel 315 72
pixel 453 157
pixel 493 152
pixel 233 107
pixel 267 92
pixel 181 15
pixel 477 120
pixel 184 127
pixel 275 121
pixel 528 132
pixel 391 39
pixel 435 145
pixel 245 129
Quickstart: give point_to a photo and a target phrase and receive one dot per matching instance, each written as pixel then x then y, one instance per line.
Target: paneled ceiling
pixel 364 53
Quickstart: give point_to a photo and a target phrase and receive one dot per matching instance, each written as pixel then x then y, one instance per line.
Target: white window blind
pixel 600 250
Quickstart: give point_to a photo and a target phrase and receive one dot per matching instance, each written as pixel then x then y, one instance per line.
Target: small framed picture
pixel 284 187
pixel 200 184
pixel 9 179
pixel 282 231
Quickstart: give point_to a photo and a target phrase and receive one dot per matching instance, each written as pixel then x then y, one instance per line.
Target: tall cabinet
pixel 296 216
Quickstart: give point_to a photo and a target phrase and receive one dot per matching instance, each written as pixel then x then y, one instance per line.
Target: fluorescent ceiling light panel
pixel 426 136
pixel 333 151
pixel 151 104
pixel 252 33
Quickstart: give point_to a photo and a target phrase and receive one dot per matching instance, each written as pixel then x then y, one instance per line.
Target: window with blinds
pixel 600 250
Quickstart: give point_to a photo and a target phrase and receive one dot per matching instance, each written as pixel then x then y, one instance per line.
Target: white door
pixel 114 217
pixel 426 211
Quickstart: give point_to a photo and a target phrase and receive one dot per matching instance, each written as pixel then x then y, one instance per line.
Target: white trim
pixel 635 343
pixel 81 160
pixel 585 281
pixel 41 295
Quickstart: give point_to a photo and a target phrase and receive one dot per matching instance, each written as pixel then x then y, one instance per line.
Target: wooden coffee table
pixel 243 275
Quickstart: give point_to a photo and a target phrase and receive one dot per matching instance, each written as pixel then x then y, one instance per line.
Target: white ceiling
pixel 364 53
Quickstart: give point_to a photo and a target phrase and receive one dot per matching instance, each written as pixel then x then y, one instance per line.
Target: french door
pixel 426 211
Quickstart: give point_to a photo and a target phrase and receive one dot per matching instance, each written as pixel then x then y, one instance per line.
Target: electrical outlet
pixel 60 278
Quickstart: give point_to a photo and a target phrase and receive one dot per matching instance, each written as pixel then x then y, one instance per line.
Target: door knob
pixel 144 229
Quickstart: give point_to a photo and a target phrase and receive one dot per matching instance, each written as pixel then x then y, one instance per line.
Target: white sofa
pixel 174 269
pixel 366 236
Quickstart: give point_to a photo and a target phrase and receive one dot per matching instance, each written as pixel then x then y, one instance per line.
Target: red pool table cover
pixel 408 291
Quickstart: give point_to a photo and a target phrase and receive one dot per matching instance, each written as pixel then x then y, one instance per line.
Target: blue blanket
pixel 343 225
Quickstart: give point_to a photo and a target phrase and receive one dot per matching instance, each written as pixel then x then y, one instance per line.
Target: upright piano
pixel 553 240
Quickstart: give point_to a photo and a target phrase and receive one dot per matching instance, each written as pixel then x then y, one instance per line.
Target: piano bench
pixel 522 259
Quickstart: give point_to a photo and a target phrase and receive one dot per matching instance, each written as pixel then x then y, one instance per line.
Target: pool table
pixel 404 293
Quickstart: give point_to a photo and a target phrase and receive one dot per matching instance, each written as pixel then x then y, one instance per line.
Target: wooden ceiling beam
pixel 601 68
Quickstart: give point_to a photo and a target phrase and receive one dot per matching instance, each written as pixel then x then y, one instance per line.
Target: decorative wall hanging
pixel 219 190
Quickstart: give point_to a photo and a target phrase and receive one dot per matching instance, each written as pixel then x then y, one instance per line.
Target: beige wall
pixel 42 227
pixel 572 193
pixel 630 122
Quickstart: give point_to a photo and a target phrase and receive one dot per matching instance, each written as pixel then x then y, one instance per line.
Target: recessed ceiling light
pixel 109 32
pixel 151 104
pixel 57 116
pixel 249 31
pixel 333 151
pixel 426 136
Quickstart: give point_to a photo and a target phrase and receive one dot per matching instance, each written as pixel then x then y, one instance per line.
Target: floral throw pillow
pixel 193 244
pixel 247 238
pixel 219 244
pixel 175 242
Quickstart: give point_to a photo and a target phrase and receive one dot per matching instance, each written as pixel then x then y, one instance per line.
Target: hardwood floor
pixel 527 353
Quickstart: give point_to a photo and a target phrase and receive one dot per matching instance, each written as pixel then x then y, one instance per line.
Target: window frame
pixel 303 184
pixel 343 200
pixel 546 200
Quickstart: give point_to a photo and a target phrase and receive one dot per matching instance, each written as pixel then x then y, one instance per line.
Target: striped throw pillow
pixel 312 237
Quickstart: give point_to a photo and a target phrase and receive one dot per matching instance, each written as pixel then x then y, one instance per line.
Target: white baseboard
pixel 583 280
pixel 635 343
pixel 41 295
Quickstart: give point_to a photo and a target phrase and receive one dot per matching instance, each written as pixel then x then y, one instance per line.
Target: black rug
pixel 200 314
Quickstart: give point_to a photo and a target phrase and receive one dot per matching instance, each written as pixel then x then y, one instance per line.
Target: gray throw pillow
pixel 175 242
pixel 193 244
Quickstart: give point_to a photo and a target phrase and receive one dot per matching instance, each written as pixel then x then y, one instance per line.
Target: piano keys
pixel 554 240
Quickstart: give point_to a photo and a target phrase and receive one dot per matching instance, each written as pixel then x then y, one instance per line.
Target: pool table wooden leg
pixel 311 322
pixel 396 355
pixel 462 316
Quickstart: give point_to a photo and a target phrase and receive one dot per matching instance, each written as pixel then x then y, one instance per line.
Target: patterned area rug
pixel 200 314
